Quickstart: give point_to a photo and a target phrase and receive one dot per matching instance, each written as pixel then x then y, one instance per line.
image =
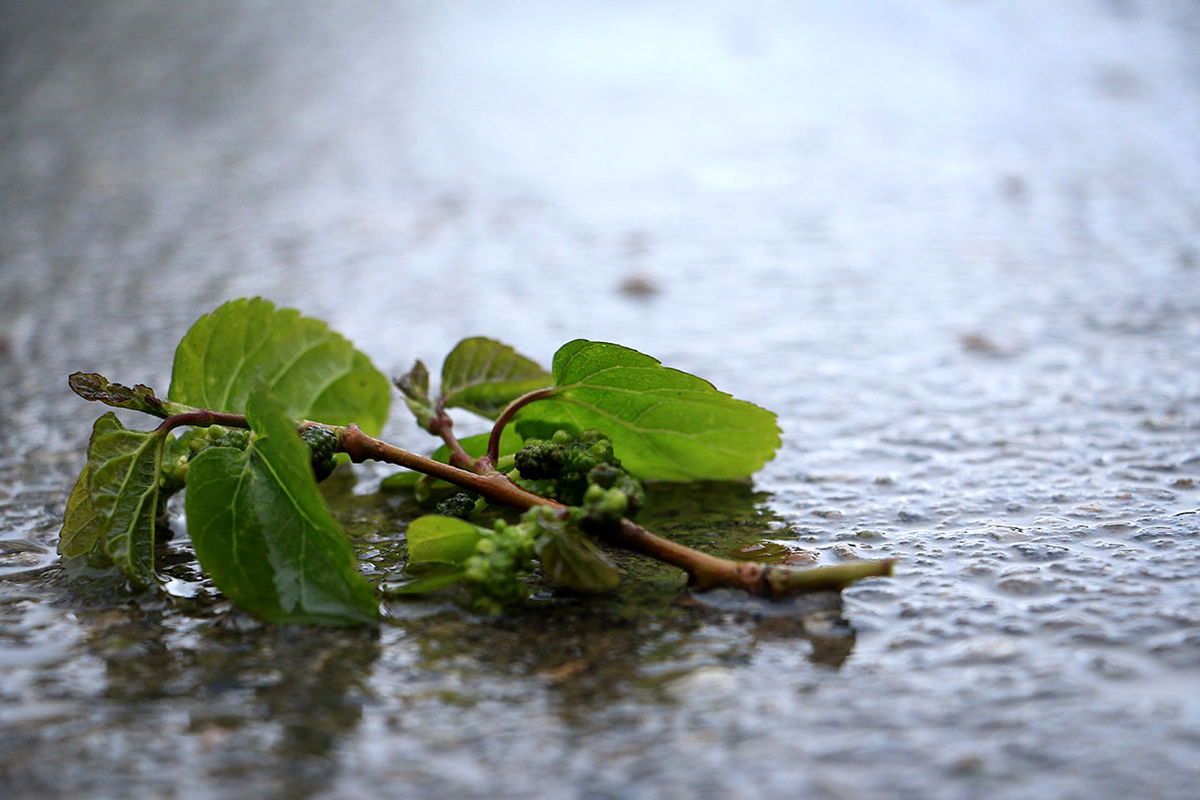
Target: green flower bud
pixel 594 494
pixel 615 503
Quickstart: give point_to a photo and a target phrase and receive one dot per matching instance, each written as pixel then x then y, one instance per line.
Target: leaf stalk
pixel 203 418
pixel 493 448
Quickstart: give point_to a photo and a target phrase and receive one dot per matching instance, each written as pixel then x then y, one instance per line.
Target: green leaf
pixel 414 385
pixel 425 578
pixel 665 424
pixel 111 511
pixel 263 533
pixel 571 559
pixel 484 376
pixel 404 479
pixel 96 387
pixel 445 540
pixel 315 373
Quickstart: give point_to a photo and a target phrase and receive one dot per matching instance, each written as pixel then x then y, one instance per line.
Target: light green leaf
pixel 484 376
pixel 446 540
pixel 111 511
pixel 424 578
pixel 569 558
pixel 665 424
pixel 263 533
pixel 404 479
pixel 315 373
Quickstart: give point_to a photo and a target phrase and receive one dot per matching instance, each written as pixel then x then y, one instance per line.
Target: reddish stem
pixel 704 571
pixel 441 425
pixel 203 418
pixel 495 486
pixel 478 475
pixel 493 448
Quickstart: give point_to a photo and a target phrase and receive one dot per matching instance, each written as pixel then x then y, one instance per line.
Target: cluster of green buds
pixel 322 446
pixel 218 436
pixel 461 505
pixel 602 508
pixel 180 452
pixel 493 571
pixel 566 466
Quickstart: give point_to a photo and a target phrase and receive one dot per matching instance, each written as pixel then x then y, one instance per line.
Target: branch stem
pixel 495 486
pixel 704 571
pixel 493 448
pixel 203 418
pixel 764 580
pixel 441 425
pixel 478 475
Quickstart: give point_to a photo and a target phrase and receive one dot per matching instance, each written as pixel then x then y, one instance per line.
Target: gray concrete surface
pixel 956 245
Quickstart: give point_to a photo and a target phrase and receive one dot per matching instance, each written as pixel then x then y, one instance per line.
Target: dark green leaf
pixel 571 559
pixel 315 373
pixel 665 424
pixel 446 540
pixel 529 428
pixel 93 386
pixel 111 511
pixel 484 376
pixel 262 531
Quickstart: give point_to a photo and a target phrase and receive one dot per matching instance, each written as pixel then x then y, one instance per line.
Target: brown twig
pixel 477 475
pixel 493 448
pixel 442 425
pixel 704 571
pixel 496 487
pixel 203 418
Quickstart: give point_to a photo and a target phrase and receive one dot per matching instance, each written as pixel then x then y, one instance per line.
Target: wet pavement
pixel 955 245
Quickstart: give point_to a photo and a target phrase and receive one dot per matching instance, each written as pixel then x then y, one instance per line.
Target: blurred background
pixel 700 176
pixel 955 244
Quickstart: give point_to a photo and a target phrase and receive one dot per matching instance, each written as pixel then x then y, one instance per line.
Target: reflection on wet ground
pixel 954 245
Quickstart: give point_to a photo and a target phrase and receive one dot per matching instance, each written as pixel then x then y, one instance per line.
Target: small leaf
pixel 428 577
pixel 414 385
pixel 569 558
pixel 315 373
pixel 445 540
pixel 665 424
pixel 96 387
pixel 111 511
pixel 263 533
pixel 484 376
pixel 415 382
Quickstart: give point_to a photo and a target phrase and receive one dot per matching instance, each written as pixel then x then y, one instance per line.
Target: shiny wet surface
pixel 955 245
